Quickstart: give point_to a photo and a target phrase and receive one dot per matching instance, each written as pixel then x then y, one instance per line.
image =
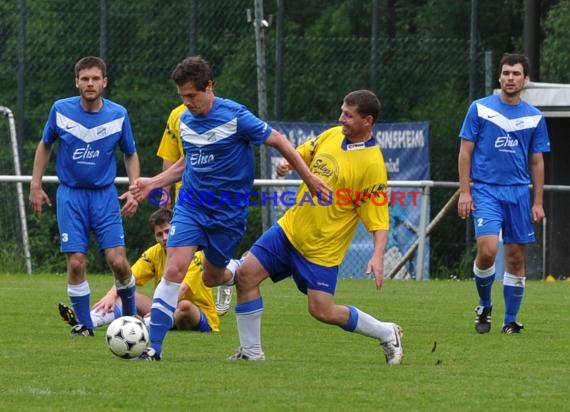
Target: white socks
pixel 373 328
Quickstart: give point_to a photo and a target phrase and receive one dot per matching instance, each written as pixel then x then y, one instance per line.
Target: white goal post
pixel 19 189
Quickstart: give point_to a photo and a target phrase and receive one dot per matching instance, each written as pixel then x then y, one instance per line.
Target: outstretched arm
pixel 296 162
pixel 143 185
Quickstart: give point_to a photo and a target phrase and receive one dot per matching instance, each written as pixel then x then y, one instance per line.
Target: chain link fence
pixel 417 79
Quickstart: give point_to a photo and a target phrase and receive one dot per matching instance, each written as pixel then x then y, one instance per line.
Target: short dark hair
pixel 511 59
pixel 89 62
pixel 159 217
pixel 193 69
pixel 366 102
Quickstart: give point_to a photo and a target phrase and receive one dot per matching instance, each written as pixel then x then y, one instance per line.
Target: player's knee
pixel 485 258
pixel 486 253
pixel 322 316
pixel 76 265
pixel 320 313
pixel 186 316
pixel 248 279
pixel 184 307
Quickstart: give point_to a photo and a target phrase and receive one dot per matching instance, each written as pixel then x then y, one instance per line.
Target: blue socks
pixel 80 296
pixel 127 295
pixel 513 292
pixel 164 304
pixel 484 281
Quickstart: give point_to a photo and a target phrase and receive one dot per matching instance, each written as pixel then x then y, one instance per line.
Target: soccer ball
pixel 127 337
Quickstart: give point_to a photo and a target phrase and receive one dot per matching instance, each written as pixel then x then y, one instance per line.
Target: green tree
pixel 422 72
pixel 555 63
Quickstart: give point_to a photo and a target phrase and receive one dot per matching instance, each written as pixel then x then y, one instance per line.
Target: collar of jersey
pixel 345 142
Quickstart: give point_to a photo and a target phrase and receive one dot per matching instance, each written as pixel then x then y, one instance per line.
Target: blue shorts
pixel 81 210
pixel 189 228
pixel 280 259
pixel 503 207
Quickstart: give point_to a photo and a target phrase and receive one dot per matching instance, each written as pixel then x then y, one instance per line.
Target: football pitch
pixel 310 366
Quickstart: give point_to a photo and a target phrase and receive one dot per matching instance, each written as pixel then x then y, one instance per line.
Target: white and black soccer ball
pixel 127 337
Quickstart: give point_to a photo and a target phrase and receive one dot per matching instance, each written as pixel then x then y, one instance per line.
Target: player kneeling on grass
pixel 195 309
pixel 311 239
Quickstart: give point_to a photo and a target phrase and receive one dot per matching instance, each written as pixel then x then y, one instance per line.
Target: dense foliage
pixel 422 71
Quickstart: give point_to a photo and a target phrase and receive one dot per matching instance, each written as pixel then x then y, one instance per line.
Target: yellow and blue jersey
pixel 357 176
pixel 150 266
pixel 170 148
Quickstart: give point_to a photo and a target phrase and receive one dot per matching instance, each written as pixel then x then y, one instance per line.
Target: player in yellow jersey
pixel 170 150
pixel 170 147
pixel 195 310
pixel 311 239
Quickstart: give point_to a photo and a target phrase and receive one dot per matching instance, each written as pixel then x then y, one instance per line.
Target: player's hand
pixel 283 168
pixel 319 188
pixel 465 205
pixel 106 304
pixel 141 188
pixel 376 267
pixel 36 200
pixel 131 205
pixel 537 213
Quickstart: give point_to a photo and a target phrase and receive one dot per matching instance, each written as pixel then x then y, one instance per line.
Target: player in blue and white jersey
pixel 170 150
pixel 89 128
pixel 502 139
pixel 218 137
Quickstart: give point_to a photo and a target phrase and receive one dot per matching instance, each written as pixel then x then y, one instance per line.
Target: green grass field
pixel 309 366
